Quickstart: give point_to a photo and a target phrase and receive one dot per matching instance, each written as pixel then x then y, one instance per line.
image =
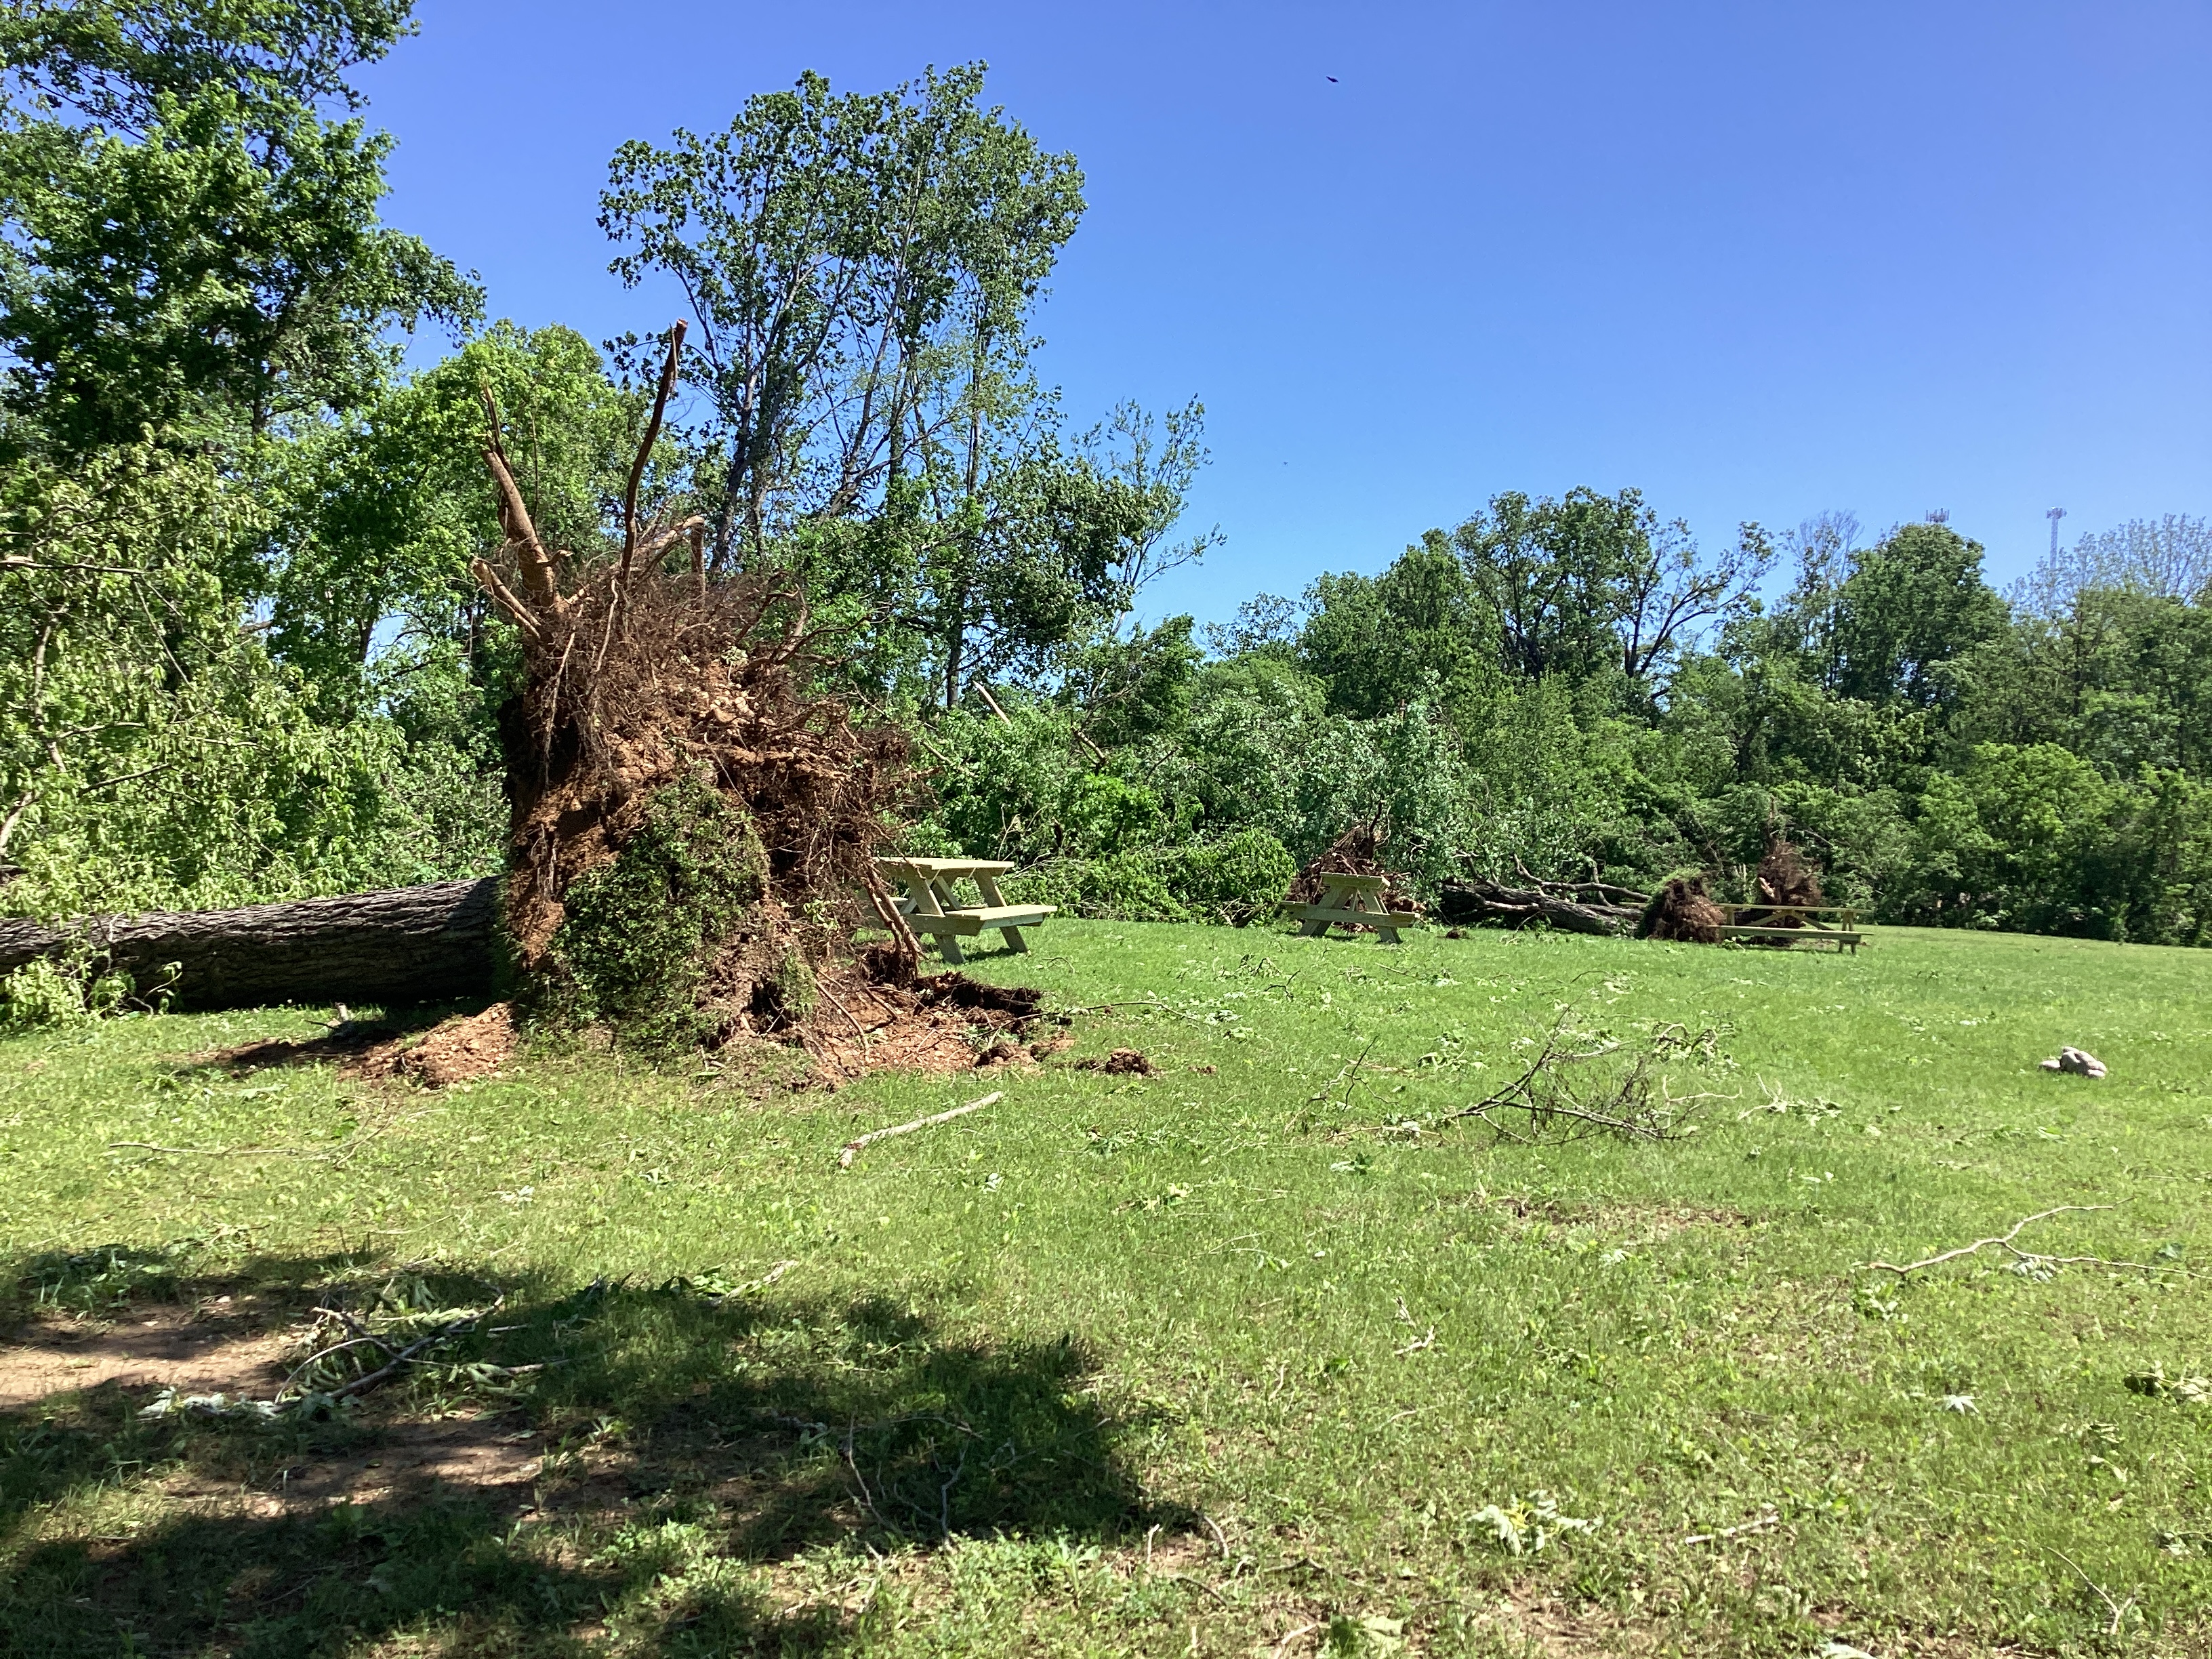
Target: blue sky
pixel 1757 259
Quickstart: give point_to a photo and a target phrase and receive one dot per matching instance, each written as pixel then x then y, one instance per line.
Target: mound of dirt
pixel 1122 1062
pixel 1682 909
pixel 944 1023
pixel 453 1051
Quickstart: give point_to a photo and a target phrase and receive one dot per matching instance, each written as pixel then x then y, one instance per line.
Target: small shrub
pixel 1122 887
pixel 48 995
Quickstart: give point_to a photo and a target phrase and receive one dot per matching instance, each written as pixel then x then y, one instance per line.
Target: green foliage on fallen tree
pixel 640 934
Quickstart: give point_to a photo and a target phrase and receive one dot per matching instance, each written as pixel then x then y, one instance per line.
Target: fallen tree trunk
pixel 1485 902
pixel 403 945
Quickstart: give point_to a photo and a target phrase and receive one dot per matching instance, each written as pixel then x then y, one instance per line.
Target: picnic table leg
pixel 1373 904
pixel 924 903
pixel 988 886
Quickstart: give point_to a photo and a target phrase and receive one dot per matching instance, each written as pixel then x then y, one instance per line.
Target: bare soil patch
pixel 218 1347
pixel 490 1456
pixel 943 1023
pixel 453 1051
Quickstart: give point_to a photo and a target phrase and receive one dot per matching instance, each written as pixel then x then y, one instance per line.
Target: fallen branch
pixel 213 1152
pixel 1622 1106
pixel 1758 1523
pixel 2004 1242
pixel 402 1357
pixel 852 1148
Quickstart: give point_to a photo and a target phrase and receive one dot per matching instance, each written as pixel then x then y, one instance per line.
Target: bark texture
pixel 1574 907
pixel 404 946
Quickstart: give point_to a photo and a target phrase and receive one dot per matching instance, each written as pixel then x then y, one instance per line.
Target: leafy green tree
pixel 1591 585
pixel 862 267
pixel 1901 614
pixel 1422 630
pixel 152 752
pixel 192 236
pixel 2122 676
pixel 378 514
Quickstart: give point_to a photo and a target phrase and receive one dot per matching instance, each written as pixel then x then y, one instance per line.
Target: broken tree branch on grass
pixel 853 1148
pixel 1560 1103
pixel 2028 1262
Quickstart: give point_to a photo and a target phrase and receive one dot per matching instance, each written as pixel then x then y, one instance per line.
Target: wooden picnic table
pixel 1844 932
pixel 1352 901
pixel 929 906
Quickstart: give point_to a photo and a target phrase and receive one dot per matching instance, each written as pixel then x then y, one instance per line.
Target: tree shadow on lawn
pixel 593 1462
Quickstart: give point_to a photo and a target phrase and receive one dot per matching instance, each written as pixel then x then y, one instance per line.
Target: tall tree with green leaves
pixel 1591 584
pixel 863 269
pixel 190 201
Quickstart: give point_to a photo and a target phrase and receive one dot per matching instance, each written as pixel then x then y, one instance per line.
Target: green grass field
pixel 1259 1354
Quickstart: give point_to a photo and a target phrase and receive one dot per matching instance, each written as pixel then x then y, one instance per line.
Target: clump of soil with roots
pixel 692 823
pixel 1784 877
pixel 1682 909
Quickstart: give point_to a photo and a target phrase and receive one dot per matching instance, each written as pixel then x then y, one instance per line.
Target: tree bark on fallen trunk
pixel 1484 902
pixel 403 945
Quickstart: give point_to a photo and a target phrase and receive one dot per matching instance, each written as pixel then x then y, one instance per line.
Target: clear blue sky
pixel 1758 260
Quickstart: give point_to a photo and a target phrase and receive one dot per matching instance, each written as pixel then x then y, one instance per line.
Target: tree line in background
pixel 242 656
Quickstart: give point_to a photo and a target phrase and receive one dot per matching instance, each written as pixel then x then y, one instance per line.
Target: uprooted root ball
pixel 691 830
pixel 1682 909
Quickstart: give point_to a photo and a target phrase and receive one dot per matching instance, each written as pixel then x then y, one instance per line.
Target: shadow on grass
pixel 670 1442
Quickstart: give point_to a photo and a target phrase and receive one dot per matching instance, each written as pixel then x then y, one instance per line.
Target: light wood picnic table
pixel 929 906
pixel 1844 932
pixel 1352 901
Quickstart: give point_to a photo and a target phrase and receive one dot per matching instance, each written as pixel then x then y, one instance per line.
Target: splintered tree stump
pixel 405 945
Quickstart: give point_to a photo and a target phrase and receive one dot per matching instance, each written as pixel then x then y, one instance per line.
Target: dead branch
pixel 2026 1259
pixel 1548 1098
pixel 645 450
pixel 1758 1523
pixel 852 1148
pixel 535 564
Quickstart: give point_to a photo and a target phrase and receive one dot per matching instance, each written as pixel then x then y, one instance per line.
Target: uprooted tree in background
pixel 690 826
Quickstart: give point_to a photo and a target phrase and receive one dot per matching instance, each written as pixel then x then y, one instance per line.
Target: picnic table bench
pixel 1351 901
pixel 929 907
pixel 1844 932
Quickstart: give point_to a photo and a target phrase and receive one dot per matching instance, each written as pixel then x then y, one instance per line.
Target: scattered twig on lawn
pixel 867 1501
pixel 1185 1578
pixel 213 1152
pixel 852 1148
pixel 405 1356
pixel 1351 1078
pixel 2119 1608
pixel 1758 1523
pixel 1630 1103
pixel 2026 1260
pixel 750 1285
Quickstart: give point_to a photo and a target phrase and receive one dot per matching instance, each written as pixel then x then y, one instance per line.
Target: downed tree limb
pixel 852 1148
pixel 2024 1259
pixel 405 944
pixel 1594 908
